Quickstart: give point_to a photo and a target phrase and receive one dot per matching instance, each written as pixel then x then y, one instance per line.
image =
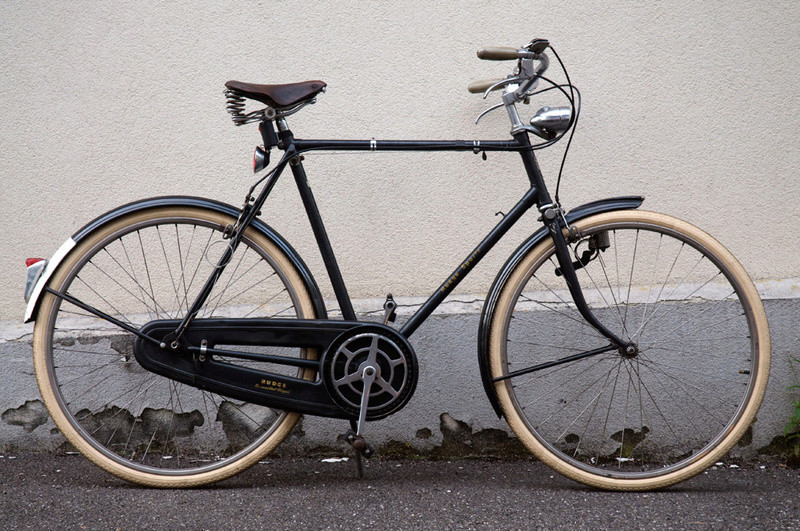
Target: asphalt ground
pixel 67 492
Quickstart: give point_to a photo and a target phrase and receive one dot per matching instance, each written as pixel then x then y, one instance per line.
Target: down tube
pixel 508 221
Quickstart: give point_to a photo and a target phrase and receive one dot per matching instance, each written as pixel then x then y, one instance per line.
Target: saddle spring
pixel 236 108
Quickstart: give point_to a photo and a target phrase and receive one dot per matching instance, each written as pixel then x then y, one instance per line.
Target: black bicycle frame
pixel 531 197
pixel 187 361
pixel 536 195
pixel 528 200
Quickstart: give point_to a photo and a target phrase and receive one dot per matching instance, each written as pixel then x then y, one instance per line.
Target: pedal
pixel 359 444
pixel 361 447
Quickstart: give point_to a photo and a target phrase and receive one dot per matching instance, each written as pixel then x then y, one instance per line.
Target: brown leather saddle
pixel 278 96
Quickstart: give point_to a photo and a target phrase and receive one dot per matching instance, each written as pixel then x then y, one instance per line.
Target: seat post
pixel 283 125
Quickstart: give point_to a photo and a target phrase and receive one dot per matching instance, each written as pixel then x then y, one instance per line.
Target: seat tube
pixel 321 236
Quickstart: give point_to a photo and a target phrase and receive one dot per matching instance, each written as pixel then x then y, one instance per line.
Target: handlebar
pixel 520 85
pixel 479 86
pixel 544 62
pixel 526 75
pixel 499 53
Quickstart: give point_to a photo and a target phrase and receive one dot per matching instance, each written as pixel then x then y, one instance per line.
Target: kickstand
pixel 359 459
pixel 360 465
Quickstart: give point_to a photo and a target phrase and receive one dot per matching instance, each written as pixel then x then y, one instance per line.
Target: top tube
pixel 406 145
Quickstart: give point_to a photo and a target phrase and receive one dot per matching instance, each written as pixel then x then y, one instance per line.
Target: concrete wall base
pixel 449 415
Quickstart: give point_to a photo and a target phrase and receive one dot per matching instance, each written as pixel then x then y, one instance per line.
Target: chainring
pixel 344 361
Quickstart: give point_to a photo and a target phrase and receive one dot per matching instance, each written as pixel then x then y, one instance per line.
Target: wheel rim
pixel 651 412
pixel 145 422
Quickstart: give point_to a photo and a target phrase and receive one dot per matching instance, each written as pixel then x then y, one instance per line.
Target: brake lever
pixel 501 83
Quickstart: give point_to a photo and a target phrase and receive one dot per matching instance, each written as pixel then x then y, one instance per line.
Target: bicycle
pixel 179 339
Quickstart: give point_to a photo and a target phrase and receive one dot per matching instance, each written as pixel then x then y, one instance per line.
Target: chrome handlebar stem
pixel 519 88
pixel 530 74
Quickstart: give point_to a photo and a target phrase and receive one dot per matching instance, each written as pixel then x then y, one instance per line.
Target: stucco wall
pixel 692 104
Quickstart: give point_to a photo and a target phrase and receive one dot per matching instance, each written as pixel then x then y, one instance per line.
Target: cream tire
pixel 587 472
pixel 48 380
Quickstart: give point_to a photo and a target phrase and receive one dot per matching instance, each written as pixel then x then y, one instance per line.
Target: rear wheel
pixel 652 415
pixel 133 423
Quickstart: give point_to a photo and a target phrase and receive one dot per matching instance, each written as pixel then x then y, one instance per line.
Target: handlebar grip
pixel 498 53
pixel 480 86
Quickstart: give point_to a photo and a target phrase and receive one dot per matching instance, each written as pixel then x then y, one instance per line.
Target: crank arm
pixel 368 377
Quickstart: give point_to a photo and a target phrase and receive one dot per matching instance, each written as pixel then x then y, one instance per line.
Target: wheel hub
pixel 629 351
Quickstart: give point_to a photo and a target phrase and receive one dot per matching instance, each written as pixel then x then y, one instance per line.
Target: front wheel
pixel 151 265
pixel 644 417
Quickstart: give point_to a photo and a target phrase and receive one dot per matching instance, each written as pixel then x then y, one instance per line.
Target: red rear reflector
pixel 30 261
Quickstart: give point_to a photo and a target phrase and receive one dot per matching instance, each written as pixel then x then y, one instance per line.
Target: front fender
pixel 144 204
pixel 578 213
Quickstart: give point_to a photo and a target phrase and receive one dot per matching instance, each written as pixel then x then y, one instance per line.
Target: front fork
pixel 556 224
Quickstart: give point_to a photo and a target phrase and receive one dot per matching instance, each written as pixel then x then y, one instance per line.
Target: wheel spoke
pixel 152 429
pixel 644 413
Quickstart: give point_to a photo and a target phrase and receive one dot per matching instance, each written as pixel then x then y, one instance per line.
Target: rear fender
pixel 137 206
pixel 578 213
